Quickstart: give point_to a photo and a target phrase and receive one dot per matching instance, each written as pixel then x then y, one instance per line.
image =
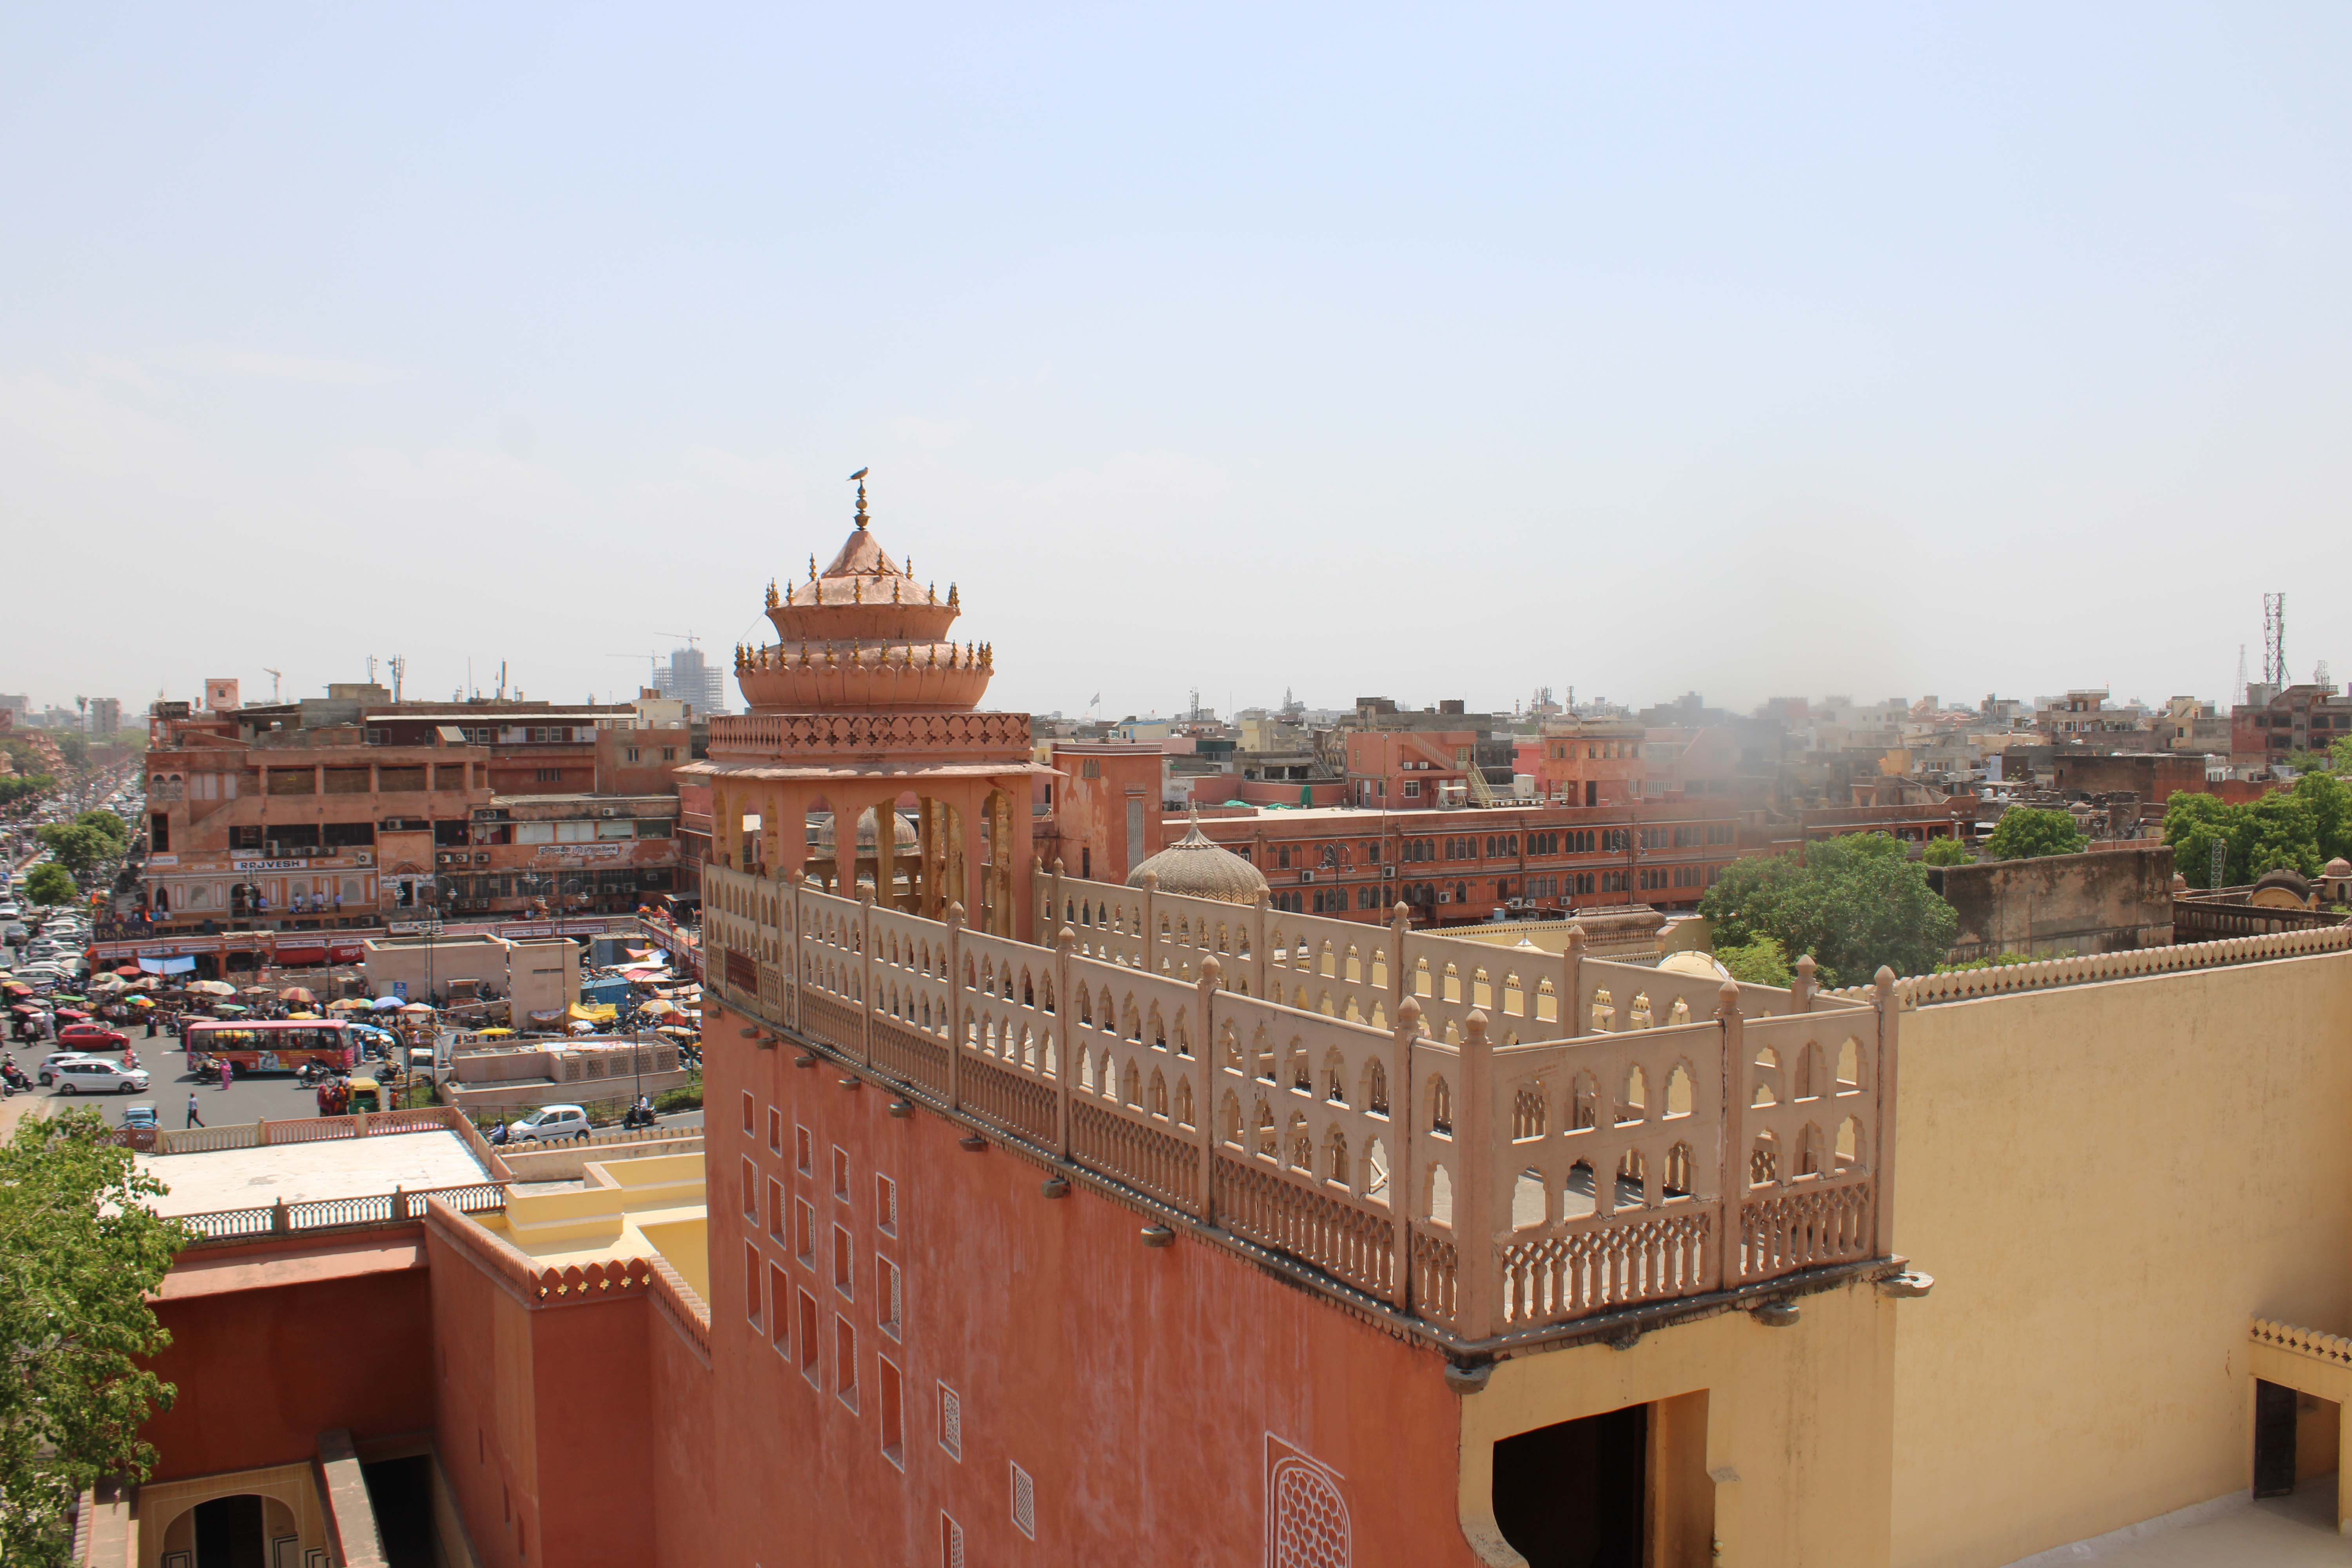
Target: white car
pixel 550 1122
pixel 47 1071
pixel 93 1075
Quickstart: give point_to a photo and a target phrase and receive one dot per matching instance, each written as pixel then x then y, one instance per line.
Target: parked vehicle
pixel 549 1123
pixel 140 1115
pixel 92 1075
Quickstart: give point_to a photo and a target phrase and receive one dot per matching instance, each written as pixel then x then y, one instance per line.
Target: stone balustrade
pixel 1481 1140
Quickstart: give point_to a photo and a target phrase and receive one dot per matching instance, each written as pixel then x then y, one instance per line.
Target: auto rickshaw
pixel 364 1095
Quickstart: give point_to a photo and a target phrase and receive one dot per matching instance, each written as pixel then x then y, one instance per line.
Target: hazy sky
pixel 1433 353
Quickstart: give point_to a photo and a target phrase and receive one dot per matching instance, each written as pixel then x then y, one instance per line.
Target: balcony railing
pixel 1482 1142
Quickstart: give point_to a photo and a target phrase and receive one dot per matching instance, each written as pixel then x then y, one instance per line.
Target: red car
pixel 91 1038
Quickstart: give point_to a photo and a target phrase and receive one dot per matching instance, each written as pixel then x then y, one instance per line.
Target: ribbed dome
pixel 1200 868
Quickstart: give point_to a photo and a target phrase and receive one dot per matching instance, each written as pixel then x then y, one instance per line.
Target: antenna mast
pixel 399 669
pixel 273 675
pixel 2275 641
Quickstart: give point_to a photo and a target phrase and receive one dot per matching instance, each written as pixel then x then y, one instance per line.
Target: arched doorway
pixel 239 1530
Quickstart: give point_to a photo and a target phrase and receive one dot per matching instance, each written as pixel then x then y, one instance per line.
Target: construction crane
pixel 274 675
pixel 690 638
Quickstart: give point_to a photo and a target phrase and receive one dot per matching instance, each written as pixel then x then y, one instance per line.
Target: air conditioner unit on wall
pixel 1444 895
pixel 364 857
pixel 1388 870
pixel 1306 875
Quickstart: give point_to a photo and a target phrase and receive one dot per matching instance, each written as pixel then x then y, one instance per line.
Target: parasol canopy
pixel 381 1002
pixel 226 1008
pixel 212 988
pixel 128 971
pixel 416 1007
pixel 142 1002
pixel 349 1004
pixel 297 993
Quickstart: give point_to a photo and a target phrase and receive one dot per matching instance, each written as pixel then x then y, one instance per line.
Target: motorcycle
pixel 639 1115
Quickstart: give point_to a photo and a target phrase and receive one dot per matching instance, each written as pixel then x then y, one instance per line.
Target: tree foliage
pixel 1759 962
pixel 50 884
pixel 15 787
pixel 2025 832
pixel 2299 829
pixel 75 748
pixel 1855 903
pixel 107 823
pixel 80 1252
pixel 1948 852
pixel 80 849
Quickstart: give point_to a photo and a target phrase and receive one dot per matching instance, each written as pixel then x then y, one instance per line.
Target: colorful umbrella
pixel 142 1002
pixel 348 1004
pixel 381 1002
pixel 225 1008
pixel 128 971
pixel 416 1007
pixel 297 993
pixel 212 988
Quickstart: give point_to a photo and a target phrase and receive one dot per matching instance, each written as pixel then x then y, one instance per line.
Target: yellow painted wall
pixel 1800 1415
pixel 2107 1181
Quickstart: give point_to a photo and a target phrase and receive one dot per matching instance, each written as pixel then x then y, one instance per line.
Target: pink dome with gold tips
pixel 863 636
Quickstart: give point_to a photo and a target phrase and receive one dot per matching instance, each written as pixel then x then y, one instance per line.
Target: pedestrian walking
pixel 227 1069
pixel 194 1119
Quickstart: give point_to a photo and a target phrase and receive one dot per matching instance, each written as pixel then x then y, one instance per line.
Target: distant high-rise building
pixel 693 679
pixel 105 715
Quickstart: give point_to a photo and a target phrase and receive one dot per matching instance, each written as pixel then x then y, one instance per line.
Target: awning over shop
pixel 301 952
pixel 347 951
pixel 167 965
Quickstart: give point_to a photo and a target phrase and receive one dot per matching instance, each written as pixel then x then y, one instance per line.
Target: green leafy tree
pixel 80 1251
pixel 75 748
pixel 1855 903
pixel 15 787
pixel 80 849
pixel 2193 824
pixel 1948 852
pixel 107 823
pixel 1759 962
pixel 21 755
pixel 49 883
pixel 2299 829
pixel 2025 832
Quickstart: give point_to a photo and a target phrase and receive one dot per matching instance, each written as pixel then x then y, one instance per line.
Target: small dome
pixel 905 837
pixel 2280 890
pixel 1200 868
pixel 1705 965
pixel 2337 869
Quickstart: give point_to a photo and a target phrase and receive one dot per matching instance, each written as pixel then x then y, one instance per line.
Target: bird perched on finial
pixel 857 475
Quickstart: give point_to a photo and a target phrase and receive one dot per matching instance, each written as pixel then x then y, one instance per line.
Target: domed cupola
pixel 1200 867
pixel 863 636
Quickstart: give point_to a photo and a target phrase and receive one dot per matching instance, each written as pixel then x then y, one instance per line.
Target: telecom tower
pixel 2275 642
